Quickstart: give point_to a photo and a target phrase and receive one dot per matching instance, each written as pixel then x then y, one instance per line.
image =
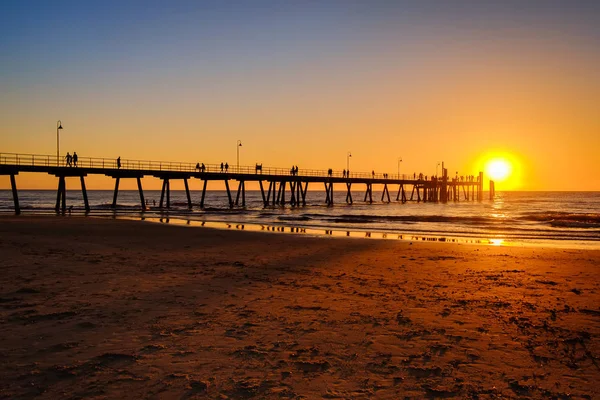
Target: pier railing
pixel 41 160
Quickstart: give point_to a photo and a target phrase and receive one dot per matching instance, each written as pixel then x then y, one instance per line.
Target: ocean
pixel 555 219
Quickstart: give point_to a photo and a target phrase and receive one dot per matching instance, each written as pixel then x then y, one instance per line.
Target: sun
pixel 498 169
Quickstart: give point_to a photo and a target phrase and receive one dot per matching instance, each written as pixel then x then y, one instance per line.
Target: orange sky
pixel 441 88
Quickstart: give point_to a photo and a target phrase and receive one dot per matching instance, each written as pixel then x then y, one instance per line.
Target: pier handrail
pixel 44 160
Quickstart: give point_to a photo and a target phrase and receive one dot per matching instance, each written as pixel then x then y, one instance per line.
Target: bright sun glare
pixel 498 169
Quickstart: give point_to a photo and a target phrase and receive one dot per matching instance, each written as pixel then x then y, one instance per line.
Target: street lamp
pixel 399 161
pixel 348 164
pixel 436 169
pixel 239 144
pixel 58 126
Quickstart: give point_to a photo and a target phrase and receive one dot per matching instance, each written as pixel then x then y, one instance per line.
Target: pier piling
pixel 187 193
pixel 15 194
pixel 114 203
pixel 349 193
pixel 141 192
pixel 84 193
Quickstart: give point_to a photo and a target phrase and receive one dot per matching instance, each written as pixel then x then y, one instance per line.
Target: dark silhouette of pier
pixel 275 183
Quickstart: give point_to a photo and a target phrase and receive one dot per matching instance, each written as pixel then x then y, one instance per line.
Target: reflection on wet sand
pixel 318 232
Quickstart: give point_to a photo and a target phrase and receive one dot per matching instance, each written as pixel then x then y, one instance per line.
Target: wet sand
pixel 98 308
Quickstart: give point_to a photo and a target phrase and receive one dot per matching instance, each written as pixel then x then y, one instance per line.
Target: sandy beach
pixel 100 308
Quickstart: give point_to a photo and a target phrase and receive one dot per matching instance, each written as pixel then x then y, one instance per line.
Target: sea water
pixel 566 219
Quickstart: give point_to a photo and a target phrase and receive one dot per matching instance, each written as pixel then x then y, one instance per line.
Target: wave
pixel 564 219
pixel 574 224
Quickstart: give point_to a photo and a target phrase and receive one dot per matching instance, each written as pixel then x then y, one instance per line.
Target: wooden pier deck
pixel 275 183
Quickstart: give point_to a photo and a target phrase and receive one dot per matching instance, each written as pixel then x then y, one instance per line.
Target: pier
pixel 275 183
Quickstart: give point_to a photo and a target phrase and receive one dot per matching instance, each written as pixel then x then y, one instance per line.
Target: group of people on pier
pixel 294 170
pixel 468 178
pixel 71 160
pixel 202 167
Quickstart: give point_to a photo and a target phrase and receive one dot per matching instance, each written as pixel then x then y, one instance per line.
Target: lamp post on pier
pixel 237 147
pixel 399 161
pixel 348 164
pixel 436 169
pixel 58 126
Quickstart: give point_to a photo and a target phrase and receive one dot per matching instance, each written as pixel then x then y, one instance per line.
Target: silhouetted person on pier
pixel 226 167
pixel 75 158
pixel 373 174
pixel 119 162
pixel 296 170
pixel 198 166
pixel 221 167
pixel 203 168
pixel 68 158
pixel 343 173
pixel 348 174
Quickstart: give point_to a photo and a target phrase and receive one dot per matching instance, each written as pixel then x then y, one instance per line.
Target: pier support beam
pixel 444 186
pixel 242 190
pixel 114 203
pixel 262 193
pixel 369 193
pixel 401 193
pixel 329 193
pixel 142 201
pixel 61 195
pixel 298 192
pixel 165 192
pixel 187 192
pixel 303 192
pixel 282 193
pixel 228 193
pixel 203 194
pixel 168 193
pixel 162 194
pixel 271 189
pixel 58 194
pixel 385 191
pixel 349 193
pixel 84 193
pixel 15 194
pixel 480 187
pixel 293 193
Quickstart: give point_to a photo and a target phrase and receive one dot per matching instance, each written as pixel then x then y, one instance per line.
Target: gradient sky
pixel 305 82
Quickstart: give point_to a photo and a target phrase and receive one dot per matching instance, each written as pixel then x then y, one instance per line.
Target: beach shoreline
pixel 96 307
